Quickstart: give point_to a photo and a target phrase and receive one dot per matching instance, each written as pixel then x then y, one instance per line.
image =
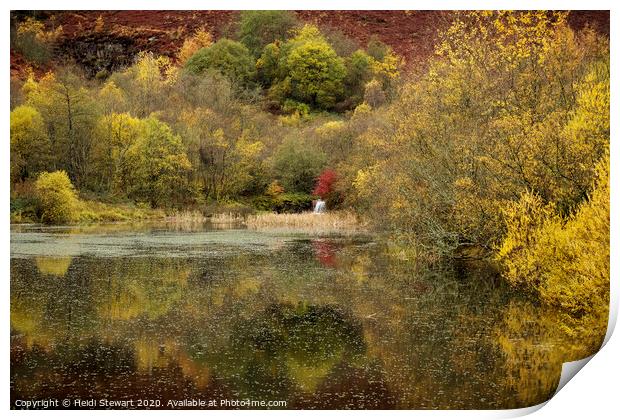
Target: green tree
pixel 316 74
pixel 57 198
pixel 307 69
pixel 297 165
pixel 374 94
pixel 229 57
pixel 268 65
pixel 258 28
pixel 359 72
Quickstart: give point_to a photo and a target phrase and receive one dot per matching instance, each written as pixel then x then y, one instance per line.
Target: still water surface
pixel 169 313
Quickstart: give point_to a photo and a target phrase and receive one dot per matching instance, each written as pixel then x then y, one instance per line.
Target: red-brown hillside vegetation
pixel 123 33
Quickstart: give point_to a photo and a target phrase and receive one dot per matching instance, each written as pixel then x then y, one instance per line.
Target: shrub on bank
pixel 57 198
pixel 54 201
pixel 296 164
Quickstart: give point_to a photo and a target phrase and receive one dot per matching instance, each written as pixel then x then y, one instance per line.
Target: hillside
pixel 113 44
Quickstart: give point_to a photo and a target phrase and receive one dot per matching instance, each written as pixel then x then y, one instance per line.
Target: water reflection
pixel 323 323
pixel 53 266
pixel 324 252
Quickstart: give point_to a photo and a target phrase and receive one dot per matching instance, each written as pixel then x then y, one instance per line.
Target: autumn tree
pixel 112 99
pixel 200 39
pixel 381 74
pixel 34 41
pixel 114 134
pixel 325 188
pixel 69 112
pixel 335 139
pixel 156 166
pixel 564 261
pixel 146 83
pixel 374 94
pixel 30 146
pixel 226 157
pixel 490 119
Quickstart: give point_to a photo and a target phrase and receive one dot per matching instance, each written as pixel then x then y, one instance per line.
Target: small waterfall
pixel 319 207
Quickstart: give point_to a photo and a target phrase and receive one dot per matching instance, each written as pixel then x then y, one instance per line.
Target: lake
pixel 163 313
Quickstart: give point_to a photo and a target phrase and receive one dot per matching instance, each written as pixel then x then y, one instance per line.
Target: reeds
pixel 192 216
pixel 324 223
pixel 226 218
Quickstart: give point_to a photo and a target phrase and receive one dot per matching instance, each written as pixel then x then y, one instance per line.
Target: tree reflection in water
pixel 327 323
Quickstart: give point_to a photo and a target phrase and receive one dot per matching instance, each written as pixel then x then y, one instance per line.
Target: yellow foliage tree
pixel 148 81
pixel 30 147
pixel 37 29
pixel 99 23
pixel 225 155
pixel 564 262
pixel 34 41
pixel 69 112
pixel 115 135
pixel 57 197
pixel 200 39
pixel 112 98
pixel 513 101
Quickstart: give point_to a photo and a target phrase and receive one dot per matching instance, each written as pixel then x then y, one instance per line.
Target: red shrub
pixel 325 183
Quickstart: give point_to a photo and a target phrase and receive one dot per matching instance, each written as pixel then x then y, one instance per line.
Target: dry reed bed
pixel 226 218
pixel 331 222
pixel 186 216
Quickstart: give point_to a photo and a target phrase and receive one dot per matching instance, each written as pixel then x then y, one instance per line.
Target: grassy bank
pixel 94 212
